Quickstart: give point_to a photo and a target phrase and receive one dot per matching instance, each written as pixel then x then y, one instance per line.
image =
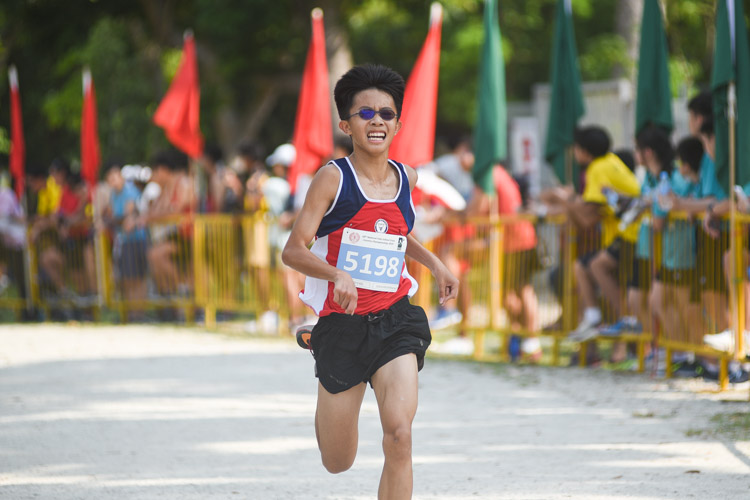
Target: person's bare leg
pixel 89 263
pixel 395 385
pixel 585 286
pixel 604 270
pixel 51 261
pixel 530 308
pixel 656 301
pixel 336 421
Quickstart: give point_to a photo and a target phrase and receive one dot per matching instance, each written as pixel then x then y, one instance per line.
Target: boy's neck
pixel 374 167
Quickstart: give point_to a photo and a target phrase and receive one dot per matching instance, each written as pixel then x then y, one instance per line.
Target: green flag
pixel 654 99
pixel 490 132
pixel 566 100
pixel 731 64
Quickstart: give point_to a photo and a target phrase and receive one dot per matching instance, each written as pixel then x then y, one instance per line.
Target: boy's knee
pixel 397 442
pixel 337 464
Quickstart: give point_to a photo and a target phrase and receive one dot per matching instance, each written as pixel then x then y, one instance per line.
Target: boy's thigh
pixel 396 386
pixel 337 414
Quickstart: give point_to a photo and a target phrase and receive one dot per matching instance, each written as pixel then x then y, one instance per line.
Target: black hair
pixel 707 127
pixel 213 152
pixel 252 150
pixel 592 139
pixel 368 76
pixel 61 165
pixel 162 159
pixel 627 158
pixel 690 152
pixel 36 171
pixel 657 140
pixel 524 187
pixel 75 180
pixel 179 161
pixel 701 104
pixel 109 165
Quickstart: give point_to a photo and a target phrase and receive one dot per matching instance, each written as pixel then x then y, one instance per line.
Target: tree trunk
pixel 627 25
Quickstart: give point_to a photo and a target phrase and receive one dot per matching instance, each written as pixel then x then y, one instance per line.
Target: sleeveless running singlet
pixel 367 238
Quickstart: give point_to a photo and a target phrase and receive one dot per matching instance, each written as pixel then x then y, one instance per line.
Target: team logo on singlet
pixel 354 237
pixel 381 226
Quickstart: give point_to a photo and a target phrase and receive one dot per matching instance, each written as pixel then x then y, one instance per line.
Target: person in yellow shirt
pixel 605 173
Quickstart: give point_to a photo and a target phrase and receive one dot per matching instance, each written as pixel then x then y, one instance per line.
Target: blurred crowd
pixel 620 201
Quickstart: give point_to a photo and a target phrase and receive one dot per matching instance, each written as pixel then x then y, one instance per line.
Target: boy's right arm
pixel 296 255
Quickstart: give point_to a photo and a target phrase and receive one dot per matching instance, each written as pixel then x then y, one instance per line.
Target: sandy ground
pixel 157 412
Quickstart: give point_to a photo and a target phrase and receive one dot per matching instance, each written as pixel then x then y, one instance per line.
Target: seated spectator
pixel 131 240
pixel 603 170
pixel 44 234
pixel 670 298
pixel 76 235
pixel 12 239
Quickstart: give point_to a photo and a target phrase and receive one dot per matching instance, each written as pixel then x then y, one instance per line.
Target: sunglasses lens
pixel 367 114
pixel 387 114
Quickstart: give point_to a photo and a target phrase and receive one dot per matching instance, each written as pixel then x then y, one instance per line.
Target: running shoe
pixel 626 324
pixel 303 336
pixel 586 330
pixel 724 341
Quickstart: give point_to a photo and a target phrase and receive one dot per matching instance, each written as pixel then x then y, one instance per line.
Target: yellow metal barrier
pixel 518 278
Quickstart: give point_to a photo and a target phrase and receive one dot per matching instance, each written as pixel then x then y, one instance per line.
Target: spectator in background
pixel 276 197
pixel 76 235
pixel 12 238
pixel 130 240
pixel 44 233
pixel 670 296
pixel 455 167
pixel 520 261
pixel 171 248
pixel 213 167
pixel 603 171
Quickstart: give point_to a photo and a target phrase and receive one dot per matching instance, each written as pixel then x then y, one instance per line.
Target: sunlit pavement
pixel 160 412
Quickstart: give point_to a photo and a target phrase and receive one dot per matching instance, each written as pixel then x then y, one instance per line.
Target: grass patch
pixel 733 425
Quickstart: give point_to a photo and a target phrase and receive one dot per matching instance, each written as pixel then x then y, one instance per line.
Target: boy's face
pixel 581 156
pixel 375 135
pixel 694 123
pixel 686 171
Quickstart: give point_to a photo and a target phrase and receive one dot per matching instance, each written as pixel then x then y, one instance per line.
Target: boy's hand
pixel 344 292
pixel 447 284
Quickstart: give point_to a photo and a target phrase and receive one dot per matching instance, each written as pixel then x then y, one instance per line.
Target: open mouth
pixel 376 136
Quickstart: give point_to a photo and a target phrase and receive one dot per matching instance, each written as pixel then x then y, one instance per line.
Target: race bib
pixel 373 260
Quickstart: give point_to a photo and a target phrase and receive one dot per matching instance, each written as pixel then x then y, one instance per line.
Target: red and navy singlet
pixel 353 210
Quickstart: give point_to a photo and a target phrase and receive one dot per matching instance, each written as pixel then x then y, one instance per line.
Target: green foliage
pixel 601 54
pixel 248 46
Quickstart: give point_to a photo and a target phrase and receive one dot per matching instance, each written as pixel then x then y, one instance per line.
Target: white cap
pixel 283 155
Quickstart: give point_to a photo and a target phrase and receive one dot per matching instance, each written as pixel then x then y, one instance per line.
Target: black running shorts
pixel 349 349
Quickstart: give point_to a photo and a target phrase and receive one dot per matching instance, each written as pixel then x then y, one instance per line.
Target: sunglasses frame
pixel 379 112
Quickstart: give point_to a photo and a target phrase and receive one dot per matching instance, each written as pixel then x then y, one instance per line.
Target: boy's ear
pixel 399 123
pixel 344 127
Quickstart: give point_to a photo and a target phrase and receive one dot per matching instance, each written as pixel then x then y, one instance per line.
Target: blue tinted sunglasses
pixel 386 114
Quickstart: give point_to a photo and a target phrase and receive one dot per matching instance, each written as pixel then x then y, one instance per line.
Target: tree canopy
pixel 251 55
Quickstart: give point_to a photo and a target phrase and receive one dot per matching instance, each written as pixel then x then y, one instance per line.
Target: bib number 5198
pixel 383 266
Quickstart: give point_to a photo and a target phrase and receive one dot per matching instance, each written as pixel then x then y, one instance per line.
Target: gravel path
pixel 142 412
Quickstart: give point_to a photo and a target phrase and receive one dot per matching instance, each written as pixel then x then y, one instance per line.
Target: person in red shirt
pixel 76 236
pixel 519 259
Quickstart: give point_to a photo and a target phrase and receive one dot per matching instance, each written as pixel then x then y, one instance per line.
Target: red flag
pixel 313 134
pixel 90 157
pixel 415 141
pixel 17 145
pixel 179 112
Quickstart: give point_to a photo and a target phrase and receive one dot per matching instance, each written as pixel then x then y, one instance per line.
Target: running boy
pixel 358 210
